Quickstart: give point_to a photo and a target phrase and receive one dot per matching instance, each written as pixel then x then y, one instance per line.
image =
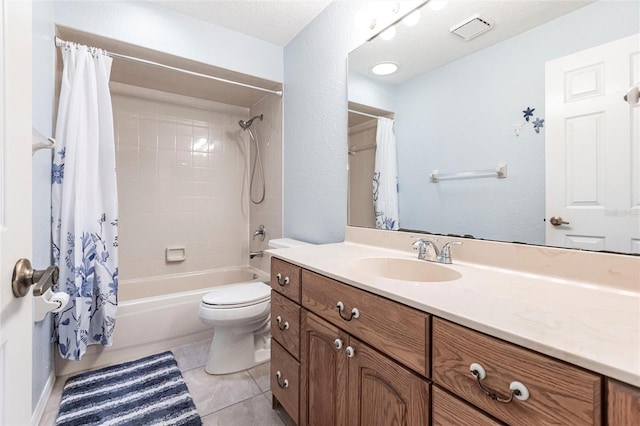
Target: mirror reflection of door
pixel 362 154
pixel 593 148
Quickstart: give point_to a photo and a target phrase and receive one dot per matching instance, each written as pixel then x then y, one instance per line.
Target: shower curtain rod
pixel 59 43
pixel 364 113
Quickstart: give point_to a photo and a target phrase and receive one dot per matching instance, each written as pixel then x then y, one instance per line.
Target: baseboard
pixel 99 356
pixel 38 411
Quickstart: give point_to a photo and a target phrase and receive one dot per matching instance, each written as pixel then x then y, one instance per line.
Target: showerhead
pixel 246 124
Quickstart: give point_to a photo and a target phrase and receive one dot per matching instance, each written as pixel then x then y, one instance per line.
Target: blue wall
pixel 460 117
pixel 315 125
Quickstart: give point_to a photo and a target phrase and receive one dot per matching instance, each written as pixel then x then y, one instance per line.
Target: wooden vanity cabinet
pixel 285 279
pixel 285 336
pixel 346 382
pixel 398 331
pixel 324 381
pixel 623 404
pixel 344 356
pixel 558 393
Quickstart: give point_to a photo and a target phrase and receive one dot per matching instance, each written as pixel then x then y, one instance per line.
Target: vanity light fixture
pixel 384 68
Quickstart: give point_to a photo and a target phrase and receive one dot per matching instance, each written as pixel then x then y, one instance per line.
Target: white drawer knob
pixel 478 371
pixel 350 352
pixel 519 390
pixel 338 343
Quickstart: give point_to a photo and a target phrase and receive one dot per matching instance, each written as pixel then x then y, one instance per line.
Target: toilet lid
pixel 242 294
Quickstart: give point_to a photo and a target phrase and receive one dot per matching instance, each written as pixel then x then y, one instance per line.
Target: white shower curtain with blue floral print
pixel 385 177
pixel 84 203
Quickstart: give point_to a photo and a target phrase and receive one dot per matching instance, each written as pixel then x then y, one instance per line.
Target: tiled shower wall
pixel 182 166
pixel 269 212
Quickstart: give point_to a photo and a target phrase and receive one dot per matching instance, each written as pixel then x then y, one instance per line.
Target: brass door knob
pixel 24 276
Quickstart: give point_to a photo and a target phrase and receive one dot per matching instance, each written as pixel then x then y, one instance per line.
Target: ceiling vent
pixel 471 27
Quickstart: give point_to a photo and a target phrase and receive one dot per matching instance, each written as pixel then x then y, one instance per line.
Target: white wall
pixel 315 125
pixel 370 92
pixel 148 25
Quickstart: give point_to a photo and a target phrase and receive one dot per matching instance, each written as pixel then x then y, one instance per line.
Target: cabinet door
pixel 323 399
pixel 382 392
pixel 623 404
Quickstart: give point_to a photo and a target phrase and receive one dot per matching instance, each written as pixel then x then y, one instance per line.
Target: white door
pixel 15 209
pixel 592 148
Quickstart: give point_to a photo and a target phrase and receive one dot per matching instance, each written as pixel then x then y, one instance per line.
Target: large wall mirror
pixel 514 130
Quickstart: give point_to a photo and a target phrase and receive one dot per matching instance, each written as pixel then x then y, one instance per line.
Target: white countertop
pixel 592 326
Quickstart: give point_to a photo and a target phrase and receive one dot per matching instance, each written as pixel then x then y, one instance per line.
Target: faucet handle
pixel 445 252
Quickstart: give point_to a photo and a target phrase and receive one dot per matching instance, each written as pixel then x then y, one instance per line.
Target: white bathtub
pixel 156 314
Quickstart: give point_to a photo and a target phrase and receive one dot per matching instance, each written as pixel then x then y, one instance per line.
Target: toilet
pixel 239 314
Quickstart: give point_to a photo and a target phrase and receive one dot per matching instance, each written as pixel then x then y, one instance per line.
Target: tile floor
pixel 239 399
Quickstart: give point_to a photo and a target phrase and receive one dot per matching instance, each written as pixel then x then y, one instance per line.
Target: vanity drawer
pixel 559 393
pixel 449 410
pixel 394 329
pixel 285 323
pixel 285 279
pixel 285 386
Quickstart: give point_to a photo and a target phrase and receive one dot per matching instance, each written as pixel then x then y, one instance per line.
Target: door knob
pixel 24 276
pixel 557 221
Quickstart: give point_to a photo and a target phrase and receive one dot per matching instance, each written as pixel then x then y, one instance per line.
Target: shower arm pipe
pixel 60 43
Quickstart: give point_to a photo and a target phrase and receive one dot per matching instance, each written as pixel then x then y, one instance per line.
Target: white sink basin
pixel 403 269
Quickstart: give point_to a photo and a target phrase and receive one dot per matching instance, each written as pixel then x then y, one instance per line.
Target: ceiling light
pixel 388 34
pixel 384 68
pixel 437 4
pixel 411 19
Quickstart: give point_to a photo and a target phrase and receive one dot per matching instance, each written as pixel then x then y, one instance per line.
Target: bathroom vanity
pixel 358 339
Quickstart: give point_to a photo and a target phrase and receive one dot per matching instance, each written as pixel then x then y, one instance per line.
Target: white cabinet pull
pixel 355 313
pixel 338 343
pixel 350 352
pixel 282 282
pixel 285 326
pixel 517 389
pixel 283 384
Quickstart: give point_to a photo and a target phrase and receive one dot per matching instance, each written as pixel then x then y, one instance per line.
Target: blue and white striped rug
pixel 149 391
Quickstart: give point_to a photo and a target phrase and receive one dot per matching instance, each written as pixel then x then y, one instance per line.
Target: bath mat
pixel 149 391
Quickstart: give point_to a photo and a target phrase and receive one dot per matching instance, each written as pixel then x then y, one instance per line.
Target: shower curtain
pixel 385 177
pixel 84 203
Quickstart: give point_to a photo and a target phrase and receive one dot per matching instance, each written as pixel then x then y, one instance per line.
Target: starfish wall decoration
pixel 528 113
pixel 538 123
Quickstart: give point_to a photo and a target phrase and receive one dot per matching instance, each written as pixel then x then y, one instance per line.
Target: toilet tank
pixel 286 243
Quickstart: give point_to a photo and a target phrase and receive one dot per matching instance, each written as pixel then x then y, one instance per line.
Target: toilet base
pixel 232 352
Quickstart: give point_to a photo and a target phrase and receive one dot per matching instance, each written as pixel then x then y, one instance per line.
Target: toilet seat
pixel 237 296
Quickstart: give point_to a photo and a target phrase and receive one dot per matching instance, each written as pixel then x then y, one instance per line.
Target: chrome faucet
pixel 253 254
pixel 441 256
pixel 260 232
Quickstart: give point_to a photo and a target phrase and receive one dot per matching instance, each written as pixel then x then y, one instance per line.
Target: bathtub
pixel 158 313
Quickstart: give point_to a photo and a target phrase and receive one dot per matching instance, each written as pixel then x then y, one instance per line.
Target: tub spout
pixel 253 254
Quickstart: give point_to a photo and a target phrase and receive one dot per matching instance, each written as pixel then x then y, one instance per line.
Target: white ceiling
pixel 429 44
pixel 276 22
